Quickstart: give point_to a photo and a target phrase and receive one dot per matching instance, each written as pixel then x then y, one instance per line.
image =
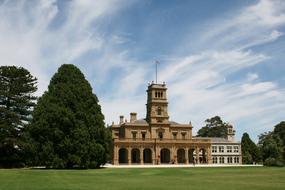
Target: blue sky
pixel 217 57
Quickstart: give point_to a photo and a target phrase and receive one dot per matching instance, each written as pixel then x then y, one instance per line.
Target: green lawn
pixel 149 178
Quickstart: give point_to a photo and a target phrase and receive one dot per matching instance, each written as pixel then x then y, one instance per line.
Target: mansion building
pixel 157 140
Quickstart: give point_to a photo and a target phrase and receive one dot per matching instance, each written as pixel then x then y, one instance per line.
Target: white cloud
pixel 252 76
pixel 251 26
pixel 265 13
pixel 249 89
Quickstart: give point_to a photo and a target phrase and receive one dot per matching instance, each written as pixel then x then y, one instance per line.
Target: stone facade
pixel 156 139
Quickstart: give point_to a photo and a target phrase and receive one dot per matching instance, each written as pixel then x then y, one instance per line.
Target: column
pixel 153 156
pixel 116 155
pixel 129 155
pixel 141 155
pixel 186 155
pixel 197 155
pixel 209 155
pixel 173 155
pixel 157 156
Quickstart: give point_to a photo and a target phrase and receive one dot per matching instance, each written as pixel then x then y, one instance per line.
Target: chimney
pixel 133 117
pixel 121 119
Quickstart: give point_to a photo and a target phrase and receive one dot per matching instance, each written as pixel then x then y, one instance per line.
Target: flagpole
pixel 156 72
pixel 156 63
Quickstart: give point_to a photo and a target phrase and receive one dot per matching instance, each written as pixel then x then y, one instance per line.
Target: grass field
pixel 149 178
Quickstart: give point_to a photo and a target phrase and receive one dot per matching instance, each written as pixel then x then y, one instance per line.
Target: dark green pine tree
pixel 68 129
pixel 17 86
pixel 215 127
pixel 250 151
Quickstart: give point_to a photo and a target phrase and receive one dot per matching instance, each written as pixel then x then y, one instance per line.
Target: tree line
pixel 64 128
pixel 270 149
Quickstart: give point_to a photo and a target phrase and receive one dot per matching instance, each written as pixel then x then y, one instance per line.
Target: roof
pixel 159 86
pixel 173 123
pixel 216 139
pixel 140 121
pixel 143 122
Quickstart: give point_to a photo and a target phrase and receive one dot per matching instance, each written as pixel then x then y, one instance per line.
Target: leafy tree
pixel 279 136
pixel 109 142
pixel 250 151
pixel 68 130
pixel 215 127
pixel 272 146
pixel 17 87
pixel 279 133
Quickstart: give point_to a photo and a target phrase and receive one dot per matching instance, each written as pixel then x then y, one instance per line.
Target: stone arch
pixel 147 156
pixel 165 156
pixel 191 157
pixel 181 156
pixel 135 156
pixel 123 156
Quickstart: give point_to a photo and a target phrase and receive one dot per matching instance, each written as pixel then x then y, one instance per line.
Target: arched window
pixel 159 111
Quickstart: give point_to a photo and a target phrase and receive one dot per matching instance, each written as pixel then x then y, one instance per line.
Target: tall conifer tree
pixel 250 152
pixel 17 86
pixel 68 130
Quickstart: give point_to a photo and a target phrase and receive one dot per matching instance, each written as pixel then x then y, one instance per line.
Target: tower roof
pixel 157 86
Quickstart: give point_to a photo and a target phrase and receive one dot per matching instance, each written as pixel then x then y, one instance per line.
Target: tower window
pixel 159 111
pixel 160 135
pixel 158 94
pixel 134 134
pixel 183 135
pixel 143 136
pixel 174 136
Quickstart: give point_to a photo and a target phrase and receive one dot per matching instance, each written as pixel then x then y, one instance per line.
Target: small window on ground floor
pixel 230 160
pixel 221 160
pixel 236 160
